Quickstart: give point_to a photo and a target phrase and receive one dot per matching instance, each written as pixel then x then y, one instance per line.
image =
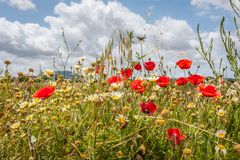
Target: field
pixel 128 104
pixel 94 116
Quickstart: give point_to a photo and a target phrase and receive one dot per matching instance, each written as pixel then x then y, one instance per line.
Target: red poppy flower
pixel 210 91
pixel 114 79
pixel 150 65
pixel 181 81
pixel 148 108
pixel 195 79
pixel 184 63
pixel 126 73
pixel 138 67
pixel 44 92
pixel 175 136
pixel 99 68
pixel 163 81
pixel 138 85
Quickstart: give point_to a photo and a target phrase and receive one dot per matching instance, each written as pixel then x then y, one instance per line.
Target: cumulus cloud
pixel 21 4
pixel 217 4
pixel 207 8
pixel 23 63
pixel 93 22
pixel 28 39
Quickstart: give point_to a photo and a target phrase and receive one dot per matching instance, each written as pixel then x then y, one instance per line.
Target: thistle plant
pixel 229 44
pixel 235 8
pixel 207 53
pixel 231 48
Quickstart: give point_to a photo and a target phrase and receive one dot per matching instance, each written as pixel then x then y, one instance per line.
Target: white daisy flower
pixel 122 119
pixel 116 95
pixel 220 149
pixel 221 133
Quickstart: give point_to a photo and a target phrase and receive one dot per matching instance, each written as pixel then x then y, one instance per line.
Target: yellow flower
pixel 187 152
pixel 199 94
pixel 220 133
pixel 191 105
pixel 153 97
pixel 165 112
pixel 218 107
pixel 156 88
pixel 189 92
pixel 78 66
pixel 78 102
pixel 119 154
pixel 51 83
pixel 54 118
pixel 160 122
pixel 36 100
pixel 65 108
pixel 15 125
pixel 220 149
pixel 29 118
pixel 31 158
pixel 202 126
pixel 116 86
pixel 49 72
pixel 152 79
pixel 116 95
pixel 220 112
pixel 23 105
pixel 143 149
pixel 122 119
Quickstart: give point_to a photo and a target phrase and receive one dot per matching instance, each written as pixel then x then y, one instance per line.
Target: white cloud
pixel 21 4
pixel 207 8
pixel 28 39
pixel 177 34
pixel 206 4
pixel 93 22
pixel 20 64
pixel 217 4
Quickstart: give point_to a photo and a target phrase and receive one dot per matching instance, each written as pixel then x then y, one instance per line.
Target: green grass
pixel 68 125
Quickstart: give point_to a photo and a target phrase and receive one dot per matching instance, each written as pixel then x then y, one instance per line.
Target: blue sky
pixel 30 30
pixel 178 9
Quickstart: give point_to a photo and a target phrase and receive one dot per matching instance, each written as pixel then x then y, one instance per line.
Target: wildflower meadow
pixel 123 106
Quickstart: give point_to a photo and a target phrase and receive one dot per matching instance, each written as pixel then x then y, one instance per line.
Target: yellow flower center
pixel 221 113
pixel 122 120
pixel 221 135
pixel 221 147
